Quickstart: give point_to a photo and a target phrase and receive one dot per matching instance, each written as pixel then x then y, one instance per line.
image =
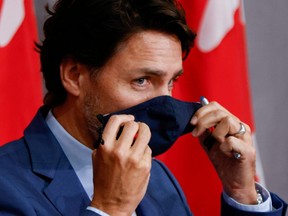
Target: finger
pixel 246 134
pixel 142 140
pixel 128 134
pixel 140 153
pixel 211 107
pixel 147 159
pixel 113 126
pixel 227 126
pixel 209 120
pixel 233 144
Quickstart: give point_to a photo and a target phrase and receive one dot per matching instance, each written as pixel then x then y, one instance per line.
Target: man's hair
pixel 90 31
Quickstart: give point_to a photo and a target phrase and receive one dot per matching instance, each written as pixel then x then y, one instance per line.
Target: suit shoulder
pixel 11 146
pixel 158 165
pixel 9 151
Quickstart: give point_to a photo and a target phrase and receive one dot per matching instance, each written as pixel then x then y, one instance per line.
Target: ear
pixel 70 75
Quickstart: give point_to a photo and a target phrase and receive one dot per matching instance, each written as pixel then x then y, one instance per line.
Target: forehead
pixel 149 49
pixel 152 38
pixel 153 42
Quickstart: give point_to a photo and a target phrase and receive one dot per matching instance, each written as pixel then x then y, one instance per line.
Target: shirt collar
pixel 79 155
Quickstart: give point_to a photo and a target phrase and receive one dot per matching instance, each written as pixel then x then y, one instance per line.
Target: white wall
pixel 267 32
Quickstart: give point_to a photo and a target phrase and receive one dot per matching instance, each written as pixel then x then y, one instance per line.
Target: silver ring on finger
pixel 241 131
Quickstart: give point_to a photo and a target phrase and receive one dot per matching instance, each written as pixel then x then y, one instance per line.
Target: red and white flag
pixel 217 69
pixel 20 79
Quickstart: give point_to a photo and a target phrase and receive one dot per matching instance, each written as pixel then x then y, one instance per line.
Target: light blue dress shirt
pixel 80 158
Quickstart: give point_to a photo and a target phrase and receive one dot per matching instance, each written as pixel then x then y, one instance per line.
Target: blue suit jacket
pixel 36 178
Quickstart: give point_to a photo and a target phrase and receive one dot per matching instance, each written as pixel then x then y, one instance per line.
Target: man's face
pixel 144 67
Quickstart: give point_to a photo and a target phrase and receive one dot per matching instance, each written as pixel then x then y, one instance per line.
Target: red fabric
pixel 219 75
pixel 20 78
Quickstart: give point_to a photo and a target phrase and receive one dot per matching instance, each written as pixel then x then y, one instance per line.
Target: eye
pixel 141 81
pixel 172 81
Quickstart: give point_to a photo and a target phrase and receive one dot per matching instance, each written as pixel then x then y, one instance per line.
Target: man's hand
pixel 237 175
pixel 121 167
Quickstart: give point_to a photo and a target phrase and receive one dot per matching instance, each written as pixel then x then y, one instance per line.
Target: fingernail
pixel 194 120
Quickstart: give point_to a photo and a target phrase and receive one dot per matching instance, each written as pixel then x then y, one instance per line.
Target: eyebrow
pixel 149 71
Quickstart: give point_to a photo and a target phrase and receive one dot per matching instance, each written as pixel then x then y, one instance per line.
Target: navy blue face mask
pixel 167 118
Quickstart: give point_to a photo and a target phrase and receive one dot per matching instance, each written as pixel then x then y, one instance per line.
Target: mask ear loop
pixel 100 132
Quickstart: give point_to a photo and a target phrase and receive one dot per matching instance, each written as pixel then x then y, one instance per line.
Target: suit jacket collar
pixel 64 189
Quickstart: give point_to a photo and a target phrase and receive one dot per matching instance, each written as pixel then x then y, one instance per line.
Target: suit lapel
pixel 66 192
pixel 165 198
pixel 64 189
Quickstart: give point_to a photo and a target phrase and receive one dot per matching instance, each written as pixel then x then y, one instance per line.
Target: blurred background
pixel 267 35
pixel 267 40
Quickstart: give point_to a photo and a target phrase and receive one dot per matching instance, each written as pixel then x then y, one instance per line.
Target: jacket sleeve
pixel 279 209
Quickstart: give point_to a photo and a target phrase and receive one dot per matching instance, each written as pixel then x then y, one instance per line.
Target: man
pixel 99 57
